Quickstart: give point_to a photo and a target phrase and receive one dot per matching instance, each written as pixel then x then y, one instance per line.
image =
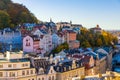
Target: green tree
pixel 99 42
pixel 85 44
pixel 60 48
pixel 18 13
pixel 4 19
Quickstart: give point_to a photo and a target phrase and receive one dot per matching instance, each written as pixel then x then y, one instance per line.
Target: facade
pixel 16 68
pixel 56 40
pixel 62 24
pixel 74 44
pixel 70 35
pixel 97 29
pixel 46 43
pixel 44 70
pixel 66 70
pixel 10 37
pixel 31 44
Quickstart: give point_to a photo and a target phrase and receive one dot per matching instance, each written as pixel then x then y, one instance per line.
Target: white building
pixel 10 37
pixel 56 40
pixel 46 43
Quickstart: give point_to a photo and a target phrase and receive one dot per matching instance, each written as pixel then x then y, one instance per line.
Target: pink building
pixel 31 44
pixel 70 35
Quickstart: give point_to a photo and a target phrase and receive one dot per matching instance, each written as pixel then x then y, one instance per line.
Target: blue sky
pixel 106 13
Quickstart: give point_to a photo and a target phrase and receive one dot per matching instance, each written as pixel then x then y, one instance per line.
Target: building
pixel 70 36
pixel 31 44
pixel 67 69
pixel 56 40
pixel 62 24
pixel 74 44
pixel 16 68
pixel 96 29
pixel 46 43
pixel 10 37
pixel 44 69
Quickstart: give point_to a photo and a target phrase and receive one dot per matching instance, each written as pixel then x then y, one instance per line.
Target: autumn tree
pixel 4 19
pixel 60 48
pixel 18 13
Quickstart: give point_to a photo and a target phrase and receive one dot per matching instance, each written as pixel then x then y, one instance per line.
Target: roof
pixel 66 65
pixel 41 63
pixel 15 60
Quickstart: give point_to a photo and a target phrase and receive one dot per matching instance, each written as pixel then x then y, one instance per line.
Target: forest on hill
pixel 12 14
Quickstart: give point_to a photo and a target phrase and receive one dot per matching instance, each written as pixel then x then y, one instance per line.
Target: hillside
pixel 12 14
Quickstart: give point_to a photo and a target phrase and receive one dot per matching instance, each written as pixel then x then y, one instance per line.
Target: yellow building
pixel 16 69
pixel 67 69
pixel 68 75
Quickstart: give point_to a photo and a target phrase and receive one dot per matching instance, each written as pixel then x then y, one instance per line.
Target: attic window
pixel 69 67
pixel 64 68
pixel 57 68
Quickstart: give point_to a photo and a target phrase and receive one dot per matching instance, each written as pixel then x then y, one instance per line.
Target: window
pixel 42 78
pixel 23 72
pixel 12 74
pixel 27 72
pixel 9 65
pixel 31 71
pixel 14 65
pixel 51 71
pixel 26 64
pixel 23 65
pixel 1 66
pixel 52 77
pixel 49 78
pixel 1 74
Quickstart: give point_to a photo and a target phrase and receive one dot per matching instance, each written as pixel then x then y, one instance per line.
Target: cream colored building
pixel 16 68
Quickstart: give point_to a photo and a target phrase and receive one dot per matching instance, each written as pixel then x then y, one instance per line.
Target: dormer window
pixel 78 66
pixel 57 68
pixel 64 68
pixel 69 67
pixel 41 71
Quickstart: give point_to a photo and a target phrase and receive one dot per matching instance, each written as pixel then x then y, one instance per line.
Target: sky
pixel 89 13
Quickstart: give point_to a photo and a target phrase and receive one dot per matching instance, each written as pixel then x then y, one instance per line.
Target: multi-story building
pixel 96 29
pixel 31 44
pixel 10 37
pixel 13 68
pixel 62 24
pixel 44 69
pixel 67 69
pixel 74 44
pixel 56 40
pixel 71 35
